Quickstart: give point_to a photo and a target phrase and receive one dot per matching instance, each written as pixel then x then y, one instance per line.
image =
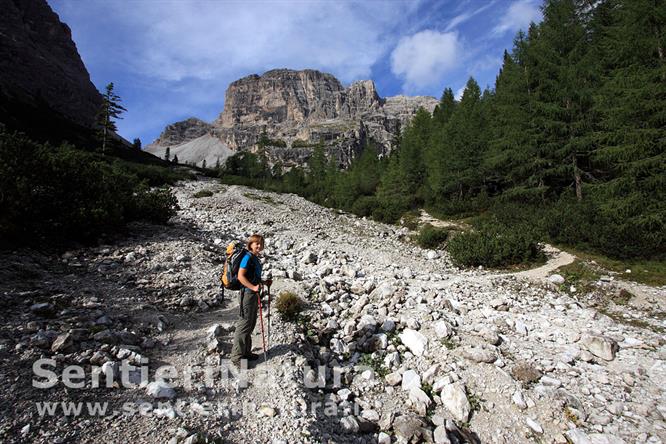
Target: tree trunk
pixel 577 180
pixel 660 50
pixel 106 128
pixel 104 141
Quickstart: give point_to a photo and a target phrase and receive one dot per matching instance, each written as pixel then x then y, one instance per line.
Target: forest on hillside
pixel 568 147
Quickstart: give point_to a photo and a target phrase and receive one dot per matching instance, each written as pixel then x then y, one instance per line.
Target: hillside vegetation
pixel 61 193
pixel 568 147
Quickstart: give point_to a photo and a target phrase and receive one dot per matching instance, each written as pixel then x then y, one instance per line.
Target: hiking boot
pixel 252 357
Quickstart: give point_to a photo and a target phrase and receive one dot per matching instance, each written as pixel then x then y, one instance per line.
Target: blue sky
pixel 173 59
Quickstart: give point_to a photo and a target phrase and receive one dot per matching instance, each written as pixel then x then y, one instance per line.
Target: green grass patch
pixel 643 271
pixel 633 322
pixel 579 274
pixel 449 343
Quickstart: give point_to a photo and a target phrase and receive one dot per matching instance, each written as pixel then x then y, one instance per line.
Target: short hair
pixel 255 238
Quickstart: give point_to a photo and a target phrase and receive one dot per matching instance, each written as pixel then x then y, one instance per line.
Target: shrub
pixel 410 220
pixel 203 193
pixel 432 237
pixel 289 305
pixel 154 175
pixel 495 245
pixel 364 206
pixel 156 206
pixel 62 193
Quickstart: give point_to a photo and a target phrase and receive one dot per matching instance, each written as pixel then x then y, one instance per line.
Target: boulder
pixel 600 346
pixel 414 341
pixel 160 390
pixel 481 353
pixel 410 380
pixel 420 400
pixel 454 398
pixel 442 329
pixel 63 343
pixel 45 309
pixel 411 429
pixel 556 279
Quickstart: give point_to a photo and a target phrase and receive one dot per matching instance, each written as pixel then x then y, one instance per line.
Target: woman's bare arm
pixel 242 278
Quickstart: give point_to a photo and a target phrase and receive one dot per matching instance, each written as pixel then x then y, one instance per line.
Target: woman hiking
pixel 249 275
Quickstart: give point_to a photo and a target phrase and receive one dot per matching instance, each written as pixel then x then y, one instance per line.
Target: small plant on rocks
pixel 374 363
pixel 449 343
pixel 571 416
pixel 475 402
pixel 289 305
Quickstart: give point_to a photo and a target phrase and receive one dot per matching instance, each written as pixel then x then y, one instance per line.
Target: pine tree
pixel 110 111
pixel 632 133
pixel 435 154
pixel 175 159
pixel 508 162
pixel 203 164
pixel 167 153
pixel 136 144
pixel 443 111
pixel 392 191
pixel 561 86
pixel 455 172
pixel 413 146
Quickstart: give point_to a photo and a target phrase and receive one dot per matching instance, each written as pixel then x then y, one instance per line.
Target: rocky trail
pixel 395 345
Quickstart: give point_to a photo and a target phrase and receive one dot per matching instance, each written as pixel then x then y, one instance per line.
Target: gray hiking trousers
pixel 249 307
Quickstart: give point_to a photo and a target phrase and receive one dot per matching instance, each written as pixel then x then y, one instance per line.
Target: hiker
pixel 249 275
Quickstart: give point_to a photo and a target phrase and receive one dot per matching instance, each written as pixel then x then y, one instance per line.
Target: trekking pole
pixel 269 316
pixel 261 318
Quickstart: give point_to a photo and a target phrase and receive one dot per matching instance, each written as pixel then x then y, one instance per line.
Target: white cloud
pixel 212 40
pixel 422 59
pixel 459 93
pixel 518 16
pixel 462 18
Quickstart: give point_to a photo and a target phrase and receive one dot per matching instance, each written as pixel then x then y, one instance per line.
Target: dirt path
pixel 557 259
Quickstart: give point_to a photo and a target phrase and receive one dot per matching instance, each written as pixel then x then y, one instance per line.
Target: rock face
pixel 297 110
pixel 40 65
pixel 184 131
pixel 193 141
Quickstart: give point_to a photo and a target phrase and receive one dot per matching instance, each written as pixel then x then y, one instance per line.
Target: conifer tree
pixel 443 111
pixel 632 134
pixel 461 148
pixel 110 111
pixel 508 161
pixel 167 153
pixel 561 96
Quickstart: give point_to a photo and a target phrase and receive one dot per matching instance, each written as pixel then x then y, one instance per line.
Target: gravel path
pixel 407 347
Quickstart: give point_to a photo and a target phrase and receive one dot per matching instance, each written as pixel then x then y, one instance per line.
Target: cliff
pixel 40 67
pixel 296 110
